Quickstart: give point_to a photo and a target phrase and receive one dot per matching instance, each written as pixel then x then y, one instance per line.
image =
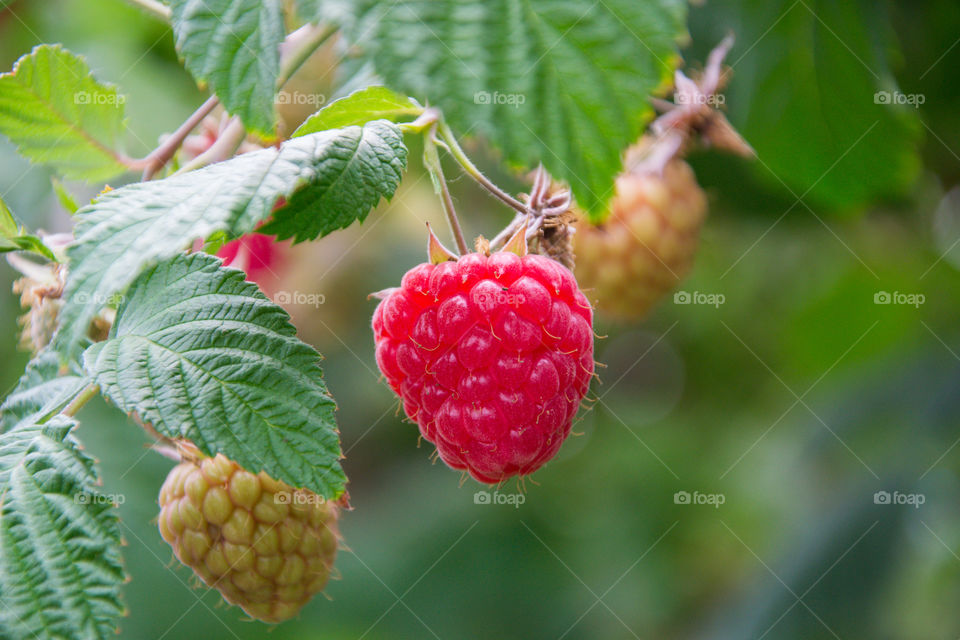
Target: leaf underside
pixel 42 388
pixel 340 174
pixel 564 82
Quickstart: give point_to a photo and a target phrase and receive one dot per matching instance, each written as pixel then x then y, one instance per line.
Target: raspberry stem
pixel 81 399
pixel 471 169
pixel 299 46
pixel 162 154
pixel 224 147
pixel 431 159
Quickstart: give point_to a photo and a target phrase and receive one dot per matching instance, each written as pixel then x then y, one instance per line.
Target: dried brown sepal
pixel 555 239
pixel 40 290
pixel 693 116
pixel 546 226
pixel 482 245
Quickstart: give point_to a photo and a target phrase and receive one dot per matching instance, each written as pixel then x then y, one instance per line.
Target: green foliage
pixel 13 238
pixel 234 46
pixel 363 164
pixel 343 171
pixel 557 81
pixel 360 107
pixel 339 12
pixel 60 571
pixel 64 197
pixel 804 93
pixel 43 388
pixel 201 354
pixel 58 114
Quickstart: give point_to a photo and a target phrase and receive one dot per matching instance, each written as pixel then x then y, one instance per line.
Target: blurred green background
pixel 795 401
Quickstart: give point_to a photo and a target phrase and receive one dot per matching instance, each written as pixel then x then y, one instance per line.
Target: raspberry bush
pixel 157 300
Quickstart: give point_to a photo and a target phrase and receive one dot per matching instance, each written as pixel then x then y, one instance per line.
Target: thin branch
pixel 224 147
pixel 299 46
pixel 81 399
pixel 162 154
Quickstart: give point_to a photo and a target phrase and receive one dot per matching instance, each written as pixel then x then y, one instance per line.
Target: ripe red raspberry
pixel 647 244
pixel 266 547
pixel 492 355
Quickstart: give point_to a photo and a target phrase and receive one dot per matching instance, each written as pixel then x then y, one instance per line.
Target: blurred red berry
pixel 257 254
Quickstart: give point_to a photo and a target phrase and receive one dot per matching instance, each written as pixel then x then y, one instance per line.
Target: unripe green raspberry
pixel 265 546
pixel 647 244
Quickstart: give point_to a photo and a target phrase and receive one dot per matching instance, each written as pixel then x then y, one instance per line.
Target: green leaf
pixel 360 107
pixel 201 354
pixel 8 226
pixel 234 45
pixel 338 12
pixel 60 569
pixel 57 114
pixel 26 242
pixel 804 93
pixel 43 388
pixel 359 171
pixel 343 170
pixel 564 82
pixel 12 237
pixel 64 197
